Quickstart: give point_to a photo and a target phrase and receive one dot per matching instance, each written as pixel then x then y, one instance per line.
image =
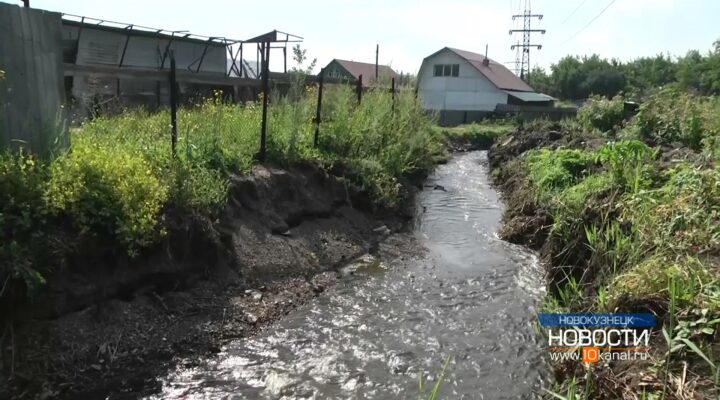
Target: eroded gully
pixel 468 295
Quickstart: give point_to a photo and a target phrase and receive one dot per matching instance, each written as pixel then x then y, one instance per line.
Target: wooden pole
pixel 26 3
pixel 242 65
pixel 392 90
pixel 359 89
pixel 266 94
pixel 377 61
pixel 319 108
pixel 173 103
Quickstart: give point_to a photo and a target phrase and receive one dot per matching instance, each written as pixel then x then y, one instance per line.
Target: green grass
pixel 482 134
pixel 652 231
pixel 433 393
pixel 119 180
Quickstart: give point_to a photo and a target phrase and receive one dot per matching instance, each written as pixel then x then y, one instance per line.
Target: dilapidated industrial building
pixel 114 65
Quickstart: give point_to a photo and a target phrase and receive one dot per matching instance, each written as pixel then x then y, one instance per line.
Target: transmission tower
pixel 523 59
pixel 518 58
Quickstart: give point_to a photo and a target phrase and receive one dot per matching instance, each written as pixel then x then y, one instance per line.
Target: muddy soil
pixel 108 324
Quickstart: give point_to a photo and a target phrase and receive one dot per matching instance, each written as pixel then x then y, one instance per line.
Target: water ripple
pixel 472 297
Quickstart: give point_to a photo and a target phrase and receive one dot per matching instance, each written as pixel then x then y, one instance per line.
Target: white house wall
pixel 470 91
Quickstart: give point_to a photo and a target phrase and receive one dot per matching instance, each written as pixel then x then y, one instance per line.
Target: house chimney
pixel 486 61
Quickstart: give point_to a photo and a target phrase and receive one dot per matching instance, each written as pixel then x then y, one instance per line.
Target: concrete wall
pixel 470 91
pixel 32 92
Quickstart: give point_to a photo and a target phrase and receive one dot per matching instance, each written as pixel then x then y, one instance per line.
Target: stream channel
pixel 469 296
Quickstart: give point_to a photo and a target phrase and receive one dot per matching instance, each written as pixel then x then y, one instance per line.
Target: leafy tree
pixel 575 77
pixel 541 81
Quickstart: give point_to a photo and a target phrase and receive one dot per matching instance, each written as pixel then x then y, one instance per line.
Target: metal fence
pixel 32 88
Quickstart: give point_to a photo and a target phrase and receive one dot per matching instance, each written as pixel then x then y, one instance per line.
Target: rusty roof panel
pixel 497 73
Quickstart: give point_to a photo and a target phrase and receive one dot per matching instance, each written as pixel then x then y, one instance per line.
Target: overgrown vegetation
pixel 580 77
pixel 477 134
pixel 636 226
pixel 604 115
pixel 119 182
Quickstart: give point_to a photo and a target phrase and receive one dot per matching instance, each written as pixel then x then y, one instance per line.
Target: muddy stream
pixel 468 296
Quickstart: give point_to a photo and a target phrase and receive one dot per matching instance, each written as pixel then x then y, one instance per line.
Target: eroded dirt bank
pixel 107 324
pixel 585 274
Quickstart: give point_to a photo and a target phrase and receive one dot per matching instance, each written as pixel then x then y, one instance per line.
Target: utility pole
pixel 377 61
pixel 523 62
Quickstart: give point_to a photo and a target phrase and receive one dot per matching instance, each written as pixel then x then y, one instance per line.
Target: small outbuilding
pixel 463 86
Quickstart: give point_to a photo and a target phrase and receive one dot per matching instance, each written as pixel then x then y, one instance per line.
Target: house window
pixel 333 73
pixel 446 70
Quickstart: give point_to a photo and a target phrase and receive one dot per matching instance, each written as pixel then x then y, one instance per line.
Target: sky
pixel 409 30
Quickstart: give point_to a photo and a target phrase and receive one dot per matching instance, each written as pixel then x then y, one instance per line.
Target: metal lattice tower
pixel 523 57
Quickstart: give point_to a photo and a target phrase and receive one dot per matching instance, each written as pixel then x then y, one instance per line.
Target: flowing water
pixel 469 296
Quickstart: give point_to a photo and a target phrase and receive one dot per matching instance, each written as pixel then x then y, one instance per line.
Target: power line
pixel 591 21
pixel 574 11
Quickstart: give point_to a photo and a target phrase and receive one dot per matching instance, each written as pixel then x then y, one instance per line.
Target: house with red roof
pixel 351 71
pixel 463 86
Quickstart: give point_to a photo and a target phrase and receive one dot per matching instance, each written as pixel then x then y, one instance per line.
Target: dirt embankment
pixel 525 222
pixel 107 324
pixel 569 257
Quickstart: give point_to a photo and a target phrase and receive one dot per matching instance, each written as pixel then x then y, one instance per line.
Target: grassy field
pixel 119 180
pixel 635 226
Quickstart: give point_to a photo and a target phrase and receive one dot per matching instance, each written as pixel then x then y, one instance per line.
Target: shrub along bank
pixel 118 183
pixel 475 136
pixel 627 219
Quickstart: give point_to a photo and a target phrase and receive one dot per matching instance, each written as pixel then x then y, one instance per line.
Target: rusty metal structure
pixel 264 45
pixel 114 62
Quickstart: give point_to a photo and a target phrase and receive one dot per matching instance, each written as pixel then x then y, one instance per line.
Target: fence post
pixel 392 90
pixel 359 89
pixel 266 94
pixel 319 108
pixel 173 103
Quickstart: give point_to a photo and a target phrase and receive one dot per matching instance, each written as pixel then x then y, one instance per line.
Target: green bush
pixel 554 170
pixel 675 116
pixel 108 190
pixel 120 181
pixel 23 218
pixel 604 115
pixel 380 145
pixel 629 161
pixel 683 216
pixel 197 189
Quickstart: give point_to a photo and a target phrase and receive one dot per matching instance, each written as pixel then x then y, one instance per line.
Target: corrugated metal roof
pixel 139 30
pixel 497 73
pixel 529 96
pixel 367 70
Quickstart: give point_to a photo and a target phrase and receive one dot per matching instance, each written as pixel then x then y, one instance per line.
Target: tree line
pixel 575 77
